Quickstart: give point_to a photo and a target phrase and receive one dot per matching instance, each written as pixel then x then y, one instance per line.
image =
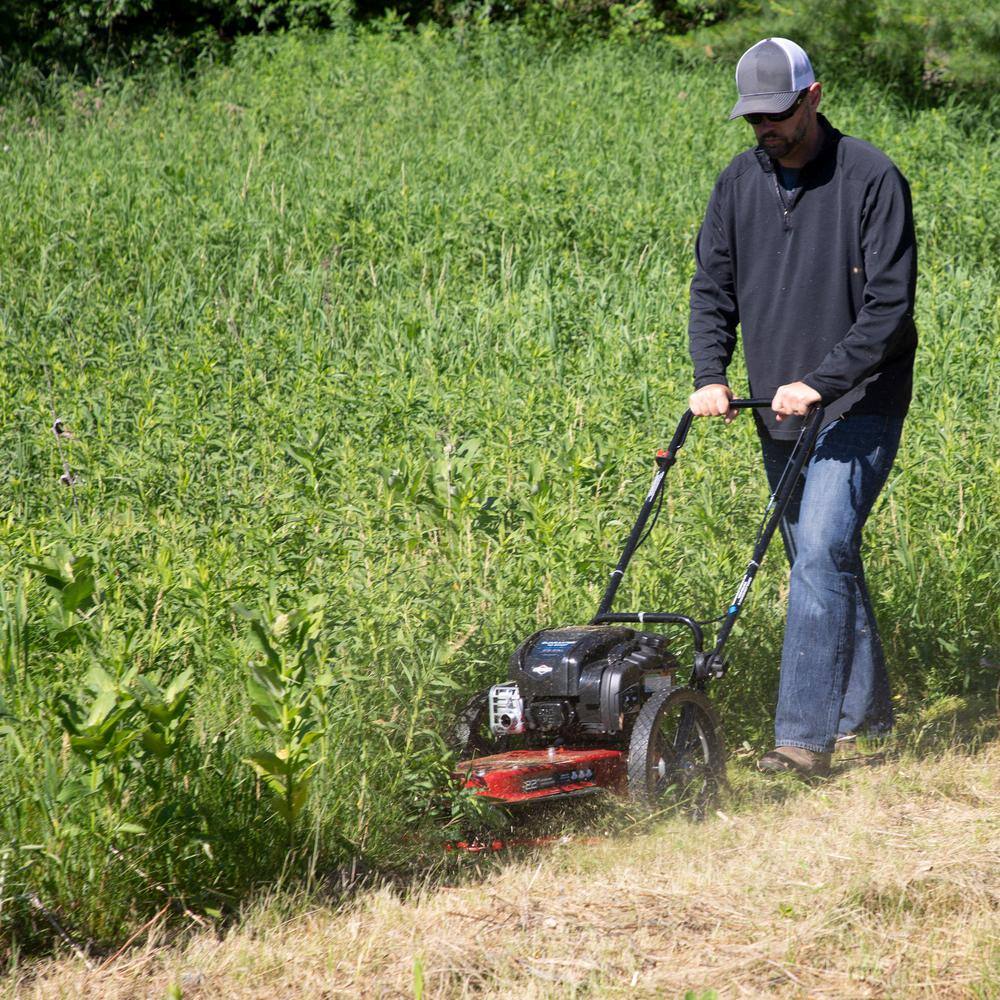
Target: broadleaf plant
pixel 287 686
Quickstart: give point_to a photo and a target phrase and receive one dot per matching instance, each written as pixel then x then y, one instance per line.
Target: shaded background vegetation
pixel 335 366
pixel 922 48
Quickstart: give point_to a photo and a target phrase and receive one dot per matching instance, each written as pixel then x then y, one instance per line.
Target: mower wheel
pixel 676 754
pixel 472 736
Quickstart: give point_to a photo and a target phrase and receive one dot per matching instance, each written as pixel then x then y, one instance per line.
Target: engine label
pixel 551 649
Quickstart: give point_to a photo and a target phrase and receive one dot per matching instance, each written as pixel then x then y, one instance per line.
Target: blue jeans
pixel 833 675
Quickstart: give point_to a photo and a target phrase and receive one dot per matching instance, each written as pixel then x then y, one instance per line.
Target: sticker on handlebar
pixel 657 479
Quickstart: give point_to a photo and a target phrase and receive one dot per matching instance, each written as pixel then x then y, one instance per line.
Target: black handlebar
pixel 754 402
pixel 665 458
pixel 669 456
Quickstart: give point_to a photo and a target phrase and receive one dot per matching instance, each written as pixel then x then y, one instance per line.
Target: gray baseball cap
pixel 769 77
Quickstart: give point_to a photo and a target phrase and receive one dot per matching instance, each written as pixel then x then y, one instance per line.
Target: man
pixel 808 245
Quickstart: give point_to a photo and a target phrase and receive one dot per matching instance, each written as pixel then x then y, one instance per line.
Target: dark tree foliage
pixel 78 34
pixel 923 49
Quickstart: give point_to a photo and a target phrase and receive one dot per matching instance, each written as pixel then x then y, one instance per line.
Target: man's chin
pixel 776 149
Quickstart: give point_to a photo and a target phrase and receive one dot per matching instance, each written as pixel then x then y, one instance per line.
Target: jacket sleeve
pixel 714 312
pixel 886 316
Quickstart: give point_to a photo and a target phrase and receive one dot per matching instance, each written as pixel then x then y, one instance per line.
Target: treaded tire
pixel 676 754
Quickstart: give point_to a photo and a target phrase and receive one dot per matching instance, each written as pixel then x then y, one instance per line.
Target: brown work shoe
pixel 795 760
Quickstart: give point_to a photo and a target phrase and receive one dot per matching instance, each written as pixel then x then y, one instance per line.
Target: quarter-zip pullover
pixel 821 280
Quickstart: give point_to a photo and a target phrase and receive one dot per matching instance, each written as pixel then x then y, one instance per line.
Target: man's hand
pixel 793 400
pixel 713 401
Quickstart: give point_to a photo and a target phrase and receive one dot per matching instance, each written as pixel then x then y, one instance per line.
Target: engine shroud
pixel 589 679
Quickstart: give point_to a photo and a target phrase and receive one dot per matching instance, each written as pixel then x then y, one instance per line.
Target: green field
pixel 382 334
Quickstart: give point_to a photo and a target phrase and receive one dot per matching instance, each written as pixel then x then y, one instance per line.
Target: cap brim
pixel 763 104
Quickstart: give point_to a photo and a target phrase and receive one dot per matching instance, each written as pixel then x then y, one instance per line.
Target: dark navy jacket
pixel 821 282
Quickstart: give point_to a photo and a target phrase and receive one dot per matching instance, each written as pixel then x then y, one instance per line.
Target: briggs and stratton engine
pixel 591 679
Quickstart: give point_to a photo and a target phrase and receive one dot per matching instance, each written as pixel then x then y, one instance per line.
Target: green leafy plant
pixel 74 588
pixel 289 688
pixel 125 729
pixel 166 712
pixel 14 638
pixel 634 20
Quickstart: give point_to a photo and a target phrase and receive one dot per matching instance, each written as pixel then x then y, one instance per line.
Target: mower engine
pixel 560 726
pixel 580 682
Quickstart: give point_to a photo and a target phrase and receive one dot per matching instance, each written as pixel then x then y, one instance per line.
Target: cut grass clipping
pixel 883 883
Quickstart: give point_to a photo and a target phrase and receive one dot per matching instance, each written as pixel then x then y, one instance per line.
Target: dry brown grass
pixel 883 882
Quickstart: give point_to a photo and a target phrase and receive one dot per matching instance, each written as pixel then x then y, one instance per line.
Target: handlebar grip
pixel 749 404
pixel 669 455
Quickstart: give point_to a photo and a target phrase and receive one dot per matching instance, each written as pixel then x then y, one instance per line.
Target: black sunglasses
pixel 756 119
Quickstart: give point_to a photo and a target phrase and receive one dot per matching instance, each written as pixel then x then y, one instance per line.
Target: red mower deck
pixel 529 775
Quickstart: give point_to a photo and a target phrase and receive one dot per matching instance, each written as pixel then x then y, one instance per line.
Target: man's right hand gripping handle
pixel 713 401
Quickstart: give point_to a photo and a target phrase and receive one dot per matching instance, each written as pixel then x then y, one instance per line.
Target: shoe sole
pixel 776 763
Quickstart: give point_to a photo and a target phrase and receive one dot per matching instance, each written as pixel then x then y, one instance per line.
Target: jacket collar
pixel 828 147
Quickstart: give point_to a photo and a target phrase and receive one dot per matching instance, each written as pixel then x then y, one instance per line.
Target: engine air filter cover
pixel 548 664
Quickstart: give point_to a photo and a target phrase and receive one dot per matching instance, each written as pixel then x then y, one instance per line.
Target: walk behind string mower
pixel 598 707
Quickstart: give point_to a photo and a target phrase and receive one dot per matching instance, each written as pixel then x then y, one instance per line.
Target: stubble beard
pixel 778 147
